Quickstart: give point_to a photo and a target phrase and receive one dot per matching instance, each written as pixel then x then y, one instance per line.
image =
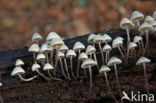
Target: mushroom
pixel 107 48
pixel 81 57
pixel 137 17
pixel 56 44
pixel 104 69
pixel 113 62
pixel 34 48
pixel 131 47
pixel 41 57
pixel 36 38
pixel 99 40
pixel 90 50
pixel 19 63
pixel 146 28
pixel 127 25
pixel 89 63
pixel 36 67
pixel 48 67
pixel 91 38
pixel 63 48
pixel 154 14
pixel 51 36
pixel 122 39
pixel 60 56
pixel 107 38
pixel 71 54
pixel 139 40
pixel 143 61
pixel 19 71
pixel 78 47
pixel 149 19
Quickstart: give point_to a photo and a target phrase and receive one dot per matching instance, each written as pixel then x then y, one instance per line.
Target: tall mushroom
pixel 137 16
pixel 143 61
pixel 36 38
pixel 113 62
pixel 107 48
pixel 41 57
pixel 107 38
pixel 131 47
pixel 91 38
pixel 45 49
pixel 19 71
pixel 139 40
pixel 104 69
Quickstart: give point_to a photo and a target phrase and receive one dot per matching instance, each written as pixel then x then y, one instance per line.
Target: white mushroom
pixel 107 48
pixel 52 35
pixel 149 19
pixel 41 57
pixel 137 17
pixel 107 38
pixel 91 38
pixel 139 40
pixel 45 49
pixel 131 47
pixel 36 38
pixel 19 63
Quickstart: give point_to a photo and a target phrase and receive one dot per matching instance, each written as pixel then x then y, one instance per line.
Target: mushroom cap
pixel 154 14
pixel 119 38
pixel 126 22
pixel 61 54
pixel 17 70
pixel 98 38
pixel 90 49
pixel 88 63
pixel 48 66
pixel 142 60
pixel 149 19
pixel 137 15
pixel 1 84
pixel 106 48
pixel 34 48
pixel 36 37
pixel 114 61
pixel 107 38
pixel 35 67
pixel 145 26
pixel 82 56
pixel 116 43
pixel 132 45
pixel 40 56
pixel 153 23
pixel 52 35
pixel 70 53
pixel 63 48
pixel 78 46
pixel 56 42
pixel 137 39
pixel 19 62
pixel 45 48
pixel 104 68
pixel 91 38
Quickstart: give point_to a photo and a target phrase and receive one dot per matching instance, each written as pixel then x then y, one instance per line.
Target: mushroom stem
pixel 107 82
pixel 96 60
pixel 61 64
pixel 47 58
pixel 42 75
pixel 71 66
pixel 123 56
pixel 139 52
pixel 52 76
pixel 138 23
pixel 128 37
pixel 78 66
pixel 42 61
pixel 51 56
pixel 142 46
pixel 34 57
pixel 27 80
pixel 65 62
pixel 1 99
pixel 134 52
pixel 91 82
pixel 117 79
pixel 108 55
pixel 147 42
pixel 56 61
pixel 146 80
pixel 101 52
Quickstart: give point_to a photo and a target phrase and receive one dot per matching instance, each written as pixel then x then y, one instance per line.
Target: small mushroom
pixel 91 38
pixel 78 47
pixel 99 40
pixel 149 19
pixel 104 69
pixel 36 38
pixel 89 63
pixel 107 48
pixel 143 61
pixel 41 57
pixel 127 25
pixel 137 17
pixel 139 40
pixel 113 62
pixel 107 38
pixel 34 48
pixel 19 63
pixel 131 47
pixel 63 48
pixel 122 39
pixel 71 54
pixel 51 36
pixel 154 14
pixel 45 49
pixel 36 67
pixel 19 71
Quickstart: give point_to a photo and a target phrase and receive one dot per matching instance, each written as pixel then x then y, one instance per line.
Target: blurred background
pixel 19 19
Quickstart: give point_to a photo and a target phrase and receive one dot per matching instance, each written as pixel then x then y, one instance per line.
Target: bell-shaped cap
pixel 19 62
pixel 119 38
pixel 145 26
pixel 35 67
pixel 116 43
pixel 106 48
pixel 136 15
pixel 98 39
pixel 126 22
pixel 48 66
pixel 114 61
pixel 17 70
pixel 70 53
pixel 45 48
pixel 56 43
pixel 137 39
pixel 40 56
pixel 142 60
pixel 132 45
pixel 34 48
pixel 107 38
pixel 149 19
pixel 104 68
pixel 91 38
pixel 61 54
pixel 52 35
pixel 88 63
pixel 78 46
pixel 154 14
pixel 90 49
pixel 63 48
pixel 36 37
pixel 82 56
